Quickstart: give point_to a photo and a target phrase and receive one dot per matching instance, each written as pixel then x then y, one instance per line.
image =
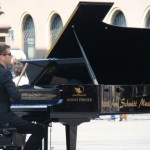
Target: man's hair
pixel 3 48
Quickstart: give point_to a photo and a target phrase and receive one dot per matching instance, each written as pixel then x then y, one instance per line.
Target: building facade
pixel 32 26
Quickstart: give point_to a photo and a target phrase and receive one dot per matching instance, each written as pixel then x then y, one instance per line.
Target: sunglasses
pixel 9 54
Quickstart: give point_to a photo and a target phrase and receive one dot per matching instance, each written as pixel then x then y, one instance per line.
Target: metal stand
pixel 8 138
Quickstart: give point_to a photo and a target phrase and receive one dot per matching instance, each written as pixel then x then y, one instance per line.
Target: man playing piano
pixel 10 94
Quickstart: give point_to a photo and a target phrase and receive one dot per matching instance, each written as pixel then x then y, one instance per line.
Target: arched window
pixel 119 19
pixel 29 37
pixel 56 27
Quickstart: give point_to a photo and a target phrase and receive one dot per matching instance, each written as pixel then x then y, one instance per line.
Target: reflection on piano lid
pixel 40 94
pixel 49 72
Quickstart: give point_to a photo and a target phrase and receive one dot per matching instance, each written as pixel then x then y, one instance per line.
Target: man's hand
pixel 12 100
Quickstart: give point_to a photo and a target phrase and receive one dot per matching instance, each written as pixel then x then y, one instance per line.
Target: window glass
pixel 119 20
pixel 148 22
pixel 29 37
pixel 56 27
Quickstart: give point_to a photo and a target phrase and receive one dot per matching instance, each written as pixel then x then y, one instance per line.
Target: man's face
pixel 6 57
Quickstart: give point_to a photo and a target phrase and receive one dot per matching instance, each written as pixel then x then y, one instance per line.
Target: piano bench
pixel 8 138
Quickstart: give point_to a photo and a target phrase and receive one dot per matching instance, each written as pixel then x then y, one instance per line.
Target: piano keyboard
pixel 28 106
pixel 33 107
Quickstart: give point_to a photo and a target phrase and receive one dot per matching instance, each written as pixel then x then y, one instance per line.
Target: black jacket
pixel 8 91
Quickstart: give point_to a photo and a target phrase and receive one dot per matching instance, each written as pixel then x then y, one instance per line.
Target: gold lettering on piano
pixel 127 103
pixel 79 91
pixel 144 103
pixel 85 99
pixel 134 103
pixel 78 94
pixel 79 100
pixel 72 99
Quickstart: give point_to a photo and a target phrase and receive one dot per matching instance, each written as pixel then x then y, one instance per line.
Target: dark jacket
pixel 8 91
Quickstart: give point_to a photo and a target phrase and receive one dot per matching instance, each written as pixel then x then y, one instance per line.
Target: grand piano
pixel 92 69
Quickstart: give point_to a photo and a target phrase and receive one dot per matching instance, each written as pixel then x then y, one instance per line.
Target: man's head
pixel 5 55
pixel 17 68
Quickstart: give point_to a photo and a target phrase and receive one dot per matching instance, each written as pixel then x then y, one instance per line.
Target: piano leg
pixel 71 136
pixel 46 139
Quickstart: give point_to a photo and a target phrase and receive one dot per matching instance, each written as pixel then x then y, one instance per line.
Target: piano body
pixel 92 69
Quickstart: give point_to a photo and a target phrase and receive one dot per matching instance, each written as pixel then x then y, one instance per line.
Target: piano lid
pixel 117 55
pixel 84 17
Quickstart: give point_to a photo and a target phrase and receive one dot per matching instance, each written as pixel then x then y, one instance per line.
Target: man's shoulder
pixel 4 72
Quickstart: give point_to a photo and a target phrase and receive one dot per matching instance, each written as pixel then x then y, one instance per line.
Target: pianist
pixel 9 94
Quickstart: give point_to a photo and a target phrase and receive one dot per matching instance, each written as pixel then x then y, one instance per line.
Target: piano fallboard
pixel 76 101
pixel 90 100
pixel 79 98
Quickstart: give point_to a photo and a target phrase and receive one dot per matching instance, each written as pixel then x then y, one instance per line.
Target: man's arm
pixel 10 87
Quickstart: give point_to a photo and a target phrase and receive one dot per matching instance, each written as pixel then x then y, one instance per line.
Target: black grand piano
pixel 92 69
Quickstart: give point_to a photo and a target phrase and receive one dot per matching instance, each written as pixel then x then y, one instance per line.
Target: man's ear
pixel 0 57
